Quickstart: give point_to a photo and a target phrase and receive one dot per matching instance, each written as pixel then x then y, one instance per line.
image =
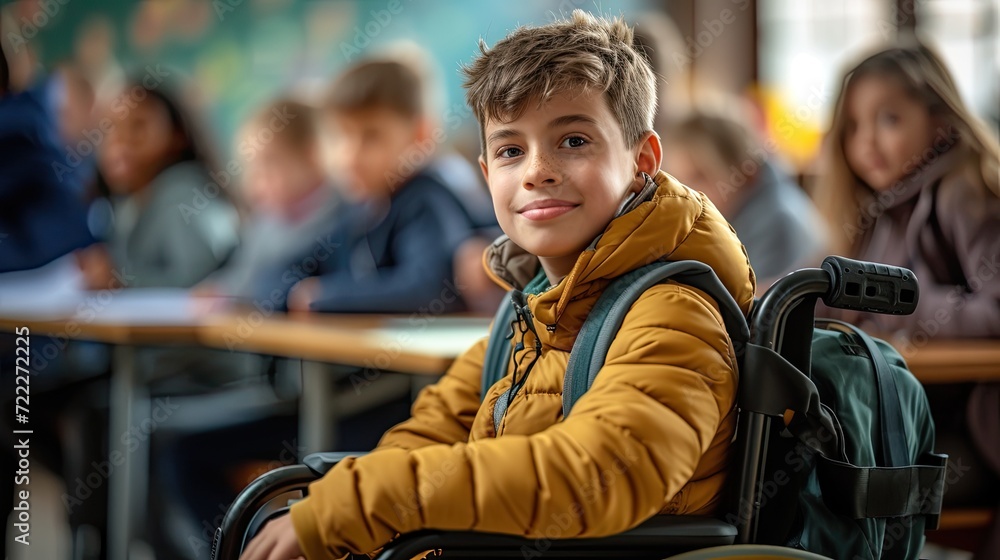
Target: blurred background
pixel 240 53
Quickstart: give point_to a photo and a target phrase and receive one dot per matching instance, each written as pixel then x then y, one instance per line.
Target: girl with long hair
pixel 910 177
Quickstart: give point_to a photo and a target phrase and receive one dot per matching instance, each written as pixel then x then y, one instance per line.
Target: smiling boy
pixel 566 114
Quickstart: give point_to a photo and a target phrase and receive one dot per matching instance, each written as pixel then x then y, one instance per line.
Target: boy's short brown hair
pixel 729 136
pixel 583 53
pixel 378 84
pixel 291 123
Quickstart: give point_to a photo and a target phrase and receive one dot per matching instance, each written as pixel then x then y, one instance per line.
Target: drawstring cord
pixel 525 323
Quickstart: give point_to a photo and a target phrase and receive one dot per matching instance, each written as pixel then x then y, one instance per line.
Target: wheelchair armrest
pixel 320 463
pixel 233 533
pixel 660 536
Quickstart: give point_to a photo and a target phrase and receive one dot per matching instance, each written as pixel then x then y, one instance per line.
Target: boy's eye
pixel 573 142
pixel 509 152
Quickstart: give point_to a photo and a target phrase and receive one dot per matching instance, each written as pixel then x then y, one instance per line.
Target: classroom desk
pixel 125 321
pixel 370 345
pixel 951 361
pixel 386 342
pixel 118 333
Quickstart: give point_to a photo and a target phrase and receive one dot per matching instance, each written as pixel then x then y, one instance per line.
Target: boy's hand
pixel 206 300
pixel 95 267
pixel 303 294
pixel 276 541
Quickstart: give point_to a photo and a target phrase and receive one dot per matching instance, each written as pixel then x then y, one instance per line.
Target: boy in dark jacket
pixel 393 243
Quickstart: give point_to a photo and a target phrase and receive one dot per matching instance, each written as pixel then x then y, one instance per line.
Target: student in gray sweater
pixel 173 225
pixel 773 217
pixel 292 205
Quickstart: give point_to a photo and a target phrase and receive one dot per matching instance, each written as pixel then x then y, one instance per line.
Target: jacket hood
pixel 677 223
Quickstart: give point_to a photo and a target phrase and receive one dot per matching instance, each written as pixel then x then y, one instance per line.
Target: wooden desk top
pixel 415 344
pixel 950 361
pixel 141 316
pixel 137 332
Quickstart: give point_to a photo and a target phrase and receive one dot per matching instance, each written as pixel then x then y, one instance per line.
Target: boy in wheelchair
pixel 573 166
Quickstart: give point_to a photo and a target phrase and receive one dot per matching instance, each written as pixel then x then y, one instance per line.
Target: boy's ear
pixel 649 154
pixel 485 169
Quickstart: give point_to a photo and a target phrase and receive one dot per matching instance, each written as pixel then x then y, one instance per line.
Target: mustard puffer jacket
pixel 652 435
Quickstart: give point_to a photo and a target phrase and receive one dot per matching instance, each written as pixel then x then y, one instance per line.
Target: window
pixel 965 33
pixel 804 45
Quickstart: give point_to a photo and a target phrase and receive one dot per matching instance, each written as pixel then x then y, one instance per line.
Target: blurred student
pixel 911 178
pixel 42 214
pixel 291 203
pixel 172 225
pixel 397 235
pixel 167 230
pixel 719 156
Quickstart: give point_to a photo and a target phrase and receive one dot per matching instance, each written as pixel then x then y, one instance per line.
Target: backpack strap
pixel 890 412
pixel 498 348
pixel 872 492
pixel 601 326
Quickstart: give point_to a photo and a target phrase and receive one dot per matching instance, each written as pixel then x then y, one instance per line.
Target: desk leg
pixel 129 452
pixel 317 421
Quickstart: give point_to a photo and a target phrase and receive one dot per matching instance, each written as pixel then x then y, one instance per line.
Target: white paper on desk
pixel 52 291
pixel 140 306
pixel 445 336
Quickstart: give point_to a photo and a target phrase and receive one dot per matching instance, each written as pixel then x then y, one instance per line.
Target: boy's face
pixel 559 172
pixel 369 144
pixel 279 176
pixel 695 162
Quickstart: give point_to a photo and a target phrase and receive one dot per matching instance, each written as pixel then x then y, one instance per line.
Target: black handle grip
pixel 873 287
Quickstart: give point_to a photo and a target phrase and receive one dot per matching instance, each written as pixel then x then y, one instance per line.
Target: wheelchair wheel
pixel 748 552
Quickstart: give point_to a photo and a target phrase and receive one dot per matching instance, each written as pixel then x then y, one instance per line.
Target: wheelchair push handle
pixel 872 287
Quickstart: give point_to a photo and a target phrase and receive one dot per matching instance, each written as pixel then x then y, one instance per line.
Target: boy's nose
pixel 541 172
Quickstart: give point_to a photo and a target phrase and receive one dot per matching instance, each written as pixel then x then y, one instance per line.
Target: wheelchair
pixel 782 320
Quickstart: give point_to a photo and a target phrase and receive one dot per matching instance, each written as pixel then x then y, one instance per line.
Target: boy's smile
pixel 547 209
pixel 558 174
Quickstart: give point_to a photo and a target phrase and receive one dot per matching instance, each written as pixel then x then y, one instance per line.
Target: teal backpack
pixel 853 475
